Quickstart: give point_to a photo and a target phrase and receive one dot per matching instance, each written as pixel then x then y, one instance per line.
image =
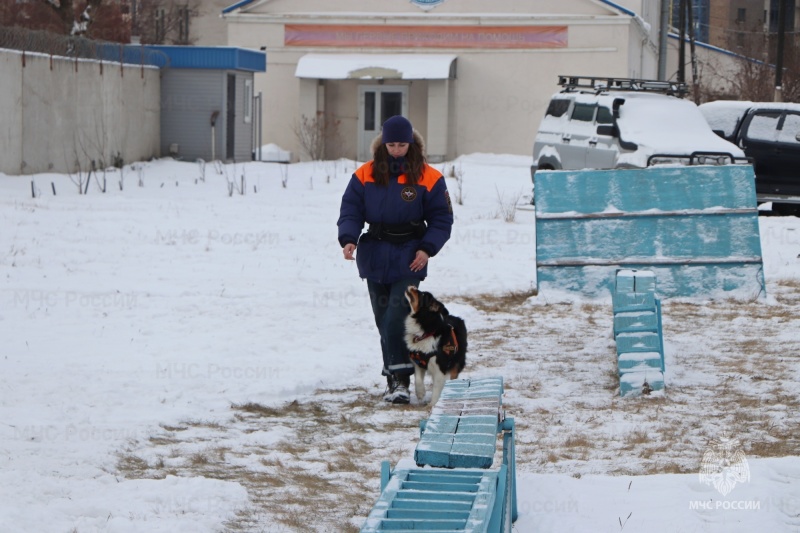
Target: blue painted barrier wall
pixel 695 228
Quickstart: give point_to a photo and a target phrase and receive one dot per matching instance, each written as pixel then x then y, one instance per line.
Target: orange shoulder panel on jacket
pixel 429 177
pixel 364 173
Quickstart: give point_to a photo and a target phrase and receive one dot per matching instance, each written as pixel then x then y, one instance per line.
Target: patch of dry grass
pixel 498 303
pixel 324 468
pixel 725 376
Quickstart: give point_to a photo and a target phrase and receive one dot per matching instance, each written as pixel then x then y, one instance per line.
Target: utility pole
pixel 681 43
pixel 779 59
pixel 662 39
pixel 690 23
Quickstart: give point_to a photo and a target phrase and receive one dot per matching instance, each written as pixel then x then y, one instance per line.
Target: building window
pixel 161 25
pixel 183 25
pixel 248 101
pixel 741 15
pixel 369 111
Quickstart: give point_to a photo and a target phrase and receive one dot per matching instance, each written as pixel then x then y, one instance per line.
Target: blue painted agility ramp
pixel 450 486
pixel 695 228
pixel 638 333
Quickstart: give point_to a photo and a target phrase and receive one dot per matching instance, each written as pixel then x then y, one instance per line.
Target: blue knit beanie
pixel 397 129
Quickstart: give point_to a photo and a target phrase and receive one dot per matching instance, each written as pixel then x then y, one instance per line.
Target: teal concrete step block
pixel 644 281
pixel 473 393
pixel 640 361
pixel 639 341
pixel 628 321
pixel 489 431
pixel 629 280
pixel 476 439
pixel 633 301
pixel 482 409
pixel 455 388
pixel 473 451
pixel 633 383
pixel 451 407
pixel 466 407
pixel 443 424
pixel 624 281
pixel 434 450
pixel 478 424
pixel 473 388
pixel 466 455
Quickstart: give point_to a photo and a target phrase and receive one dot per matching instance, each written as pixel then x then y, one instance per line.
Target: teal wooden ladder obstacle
pixel 450 485
pixel 637 331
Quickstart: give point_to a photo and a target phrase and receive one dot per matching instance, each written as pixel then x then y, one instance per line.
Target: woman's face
pixel 397 149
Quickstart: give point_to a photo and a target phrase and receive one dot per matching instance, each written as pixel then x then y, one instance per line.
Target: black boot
pixel 397 389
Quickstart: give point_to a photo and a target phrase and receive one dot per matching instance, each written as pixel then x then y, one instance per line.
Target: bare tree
pixel 75 17
pixel 754 76
pixel 160 22
pixel 154 21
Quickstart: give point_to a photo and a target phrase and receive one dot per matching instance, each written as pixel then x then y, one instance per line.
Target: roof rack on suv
pixel 600 83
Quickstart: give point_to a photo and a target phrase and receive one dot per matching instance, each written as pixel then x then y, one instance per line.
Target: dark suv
pixel 769 134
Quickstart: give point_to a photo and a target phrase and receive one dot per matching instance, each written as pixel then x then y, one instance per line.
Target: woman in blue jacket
pixel 408 209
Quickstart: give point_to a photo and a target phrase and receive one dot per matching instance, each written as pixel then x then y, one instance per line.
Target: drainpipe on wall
pixel 260 125
pixel 214 116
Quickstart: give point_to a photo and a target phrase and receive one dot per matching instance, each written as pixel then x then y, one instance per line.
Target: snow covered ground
pixel 179 358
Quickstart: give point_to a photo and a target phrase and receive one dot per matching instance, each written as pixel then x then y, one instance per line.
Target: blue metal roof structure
pixel 619 7
pixel 237 5
pixel 213 57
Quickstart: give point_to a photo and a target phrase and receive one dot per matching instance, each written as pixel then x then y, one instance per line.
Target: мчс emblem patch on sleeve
pixel 409 194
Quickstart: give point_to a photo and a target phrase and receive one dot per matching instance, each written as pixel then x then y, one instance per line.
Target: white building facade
pixel 471 75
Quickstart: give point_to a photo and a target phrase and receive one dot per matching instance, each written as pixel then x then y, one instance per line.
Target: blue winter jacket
pixel 397 203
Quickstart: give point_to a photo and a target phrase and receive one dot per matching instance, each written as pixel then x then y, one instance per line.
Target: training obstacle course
pixel 637 331
pixel 695 228
pixel 450 485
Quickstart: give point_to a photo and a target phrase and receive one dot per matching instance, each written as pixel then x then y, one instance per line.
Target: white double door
pixel 376 104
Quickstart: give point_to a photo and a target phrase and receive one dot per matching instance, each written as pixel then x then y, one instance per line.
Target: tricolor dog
pixel 436 340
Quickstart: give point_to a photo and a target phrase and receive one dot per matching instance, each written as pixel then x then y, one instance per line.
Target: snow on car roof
pixel 725 114
pixel 665 125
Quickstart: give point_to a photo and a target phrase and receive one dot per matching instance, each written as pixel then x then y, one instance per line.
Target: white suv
pixel 603 123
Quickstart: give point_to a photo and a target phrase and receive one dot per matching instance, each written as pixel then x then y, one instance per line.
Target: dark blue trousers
pixel 390 307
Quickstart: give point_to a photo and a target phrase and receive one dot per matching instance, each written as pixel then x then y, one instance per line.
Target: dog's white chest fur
pixel 416 339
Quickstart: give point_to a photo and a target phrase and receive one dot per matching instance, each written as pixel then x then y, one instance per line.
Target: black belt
pixel 397 233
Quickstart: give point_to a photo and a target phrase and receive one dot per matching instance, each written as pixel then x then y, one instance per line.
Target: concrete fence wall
pixel 59 114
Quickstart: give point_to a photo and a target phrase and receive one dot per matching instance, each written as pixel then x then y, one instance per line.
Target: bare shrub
pixel 316 134
pixel 457 173
pixel 508 207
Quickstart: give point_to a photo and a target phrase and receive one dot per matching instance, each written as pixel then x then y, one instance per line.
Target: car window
pixel 764 126
pixel 583 112
pixel 790 129
pixel 604 115
pixel 557 107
